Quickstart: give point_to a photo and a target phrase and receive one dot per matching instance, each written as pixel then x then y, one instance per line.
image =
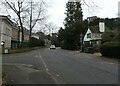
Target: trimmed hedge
pixel 68 46
pixel 36 42
pixel 110 49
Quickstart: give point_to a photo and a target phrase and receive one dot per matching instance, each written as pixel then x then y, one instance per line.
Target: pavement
pixel 0 68
pixel 107 59
pixel 57 66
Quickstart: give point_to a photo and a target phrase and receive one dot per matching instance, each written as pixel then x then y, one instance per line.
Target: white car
pixel 52 47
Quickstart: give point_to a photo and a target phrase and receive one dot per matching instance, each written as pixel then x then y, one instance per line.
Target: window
pixel 89 35
pixel 7 32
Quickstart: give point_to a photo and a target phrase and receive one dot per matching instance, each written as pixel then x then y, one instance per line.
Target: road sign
pixel 81 36
pixel 81 40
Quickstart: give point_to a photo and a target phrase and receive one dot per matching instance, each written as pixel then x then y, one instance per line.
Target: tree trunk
pixel 30 23
pixel 21 29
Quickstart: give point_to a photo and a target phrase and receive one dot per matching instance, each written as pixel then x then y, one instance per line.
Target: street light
pixel 2 44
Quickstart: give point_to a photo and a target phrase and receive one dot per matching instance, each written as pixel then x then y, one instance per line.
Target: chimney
pixel 102 26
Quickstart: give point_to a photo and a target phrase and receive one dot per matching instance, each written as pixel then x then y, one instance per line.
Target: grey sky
pixel 106 8
pixel 56 10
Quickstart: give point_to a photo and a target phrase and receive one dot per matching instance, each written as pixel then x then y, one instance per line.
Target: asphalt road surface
pixel 57 66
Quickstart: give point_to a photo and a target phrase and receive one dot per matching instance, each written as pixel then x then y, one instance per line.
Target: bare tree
pixel 35 14
pixel 29 12
pixel 51 27
pixel 18 8
pixel 91 5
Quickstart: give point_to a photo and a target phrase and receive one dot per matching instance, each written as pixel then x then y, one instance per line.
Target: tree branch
pixel 12 7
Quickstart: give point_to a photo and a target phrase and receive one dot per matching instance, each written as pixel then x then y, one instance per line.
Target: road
pixel 45 66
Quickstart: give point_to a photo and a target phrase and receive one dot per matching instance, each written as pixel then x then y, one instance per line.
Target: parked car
pixel 52 47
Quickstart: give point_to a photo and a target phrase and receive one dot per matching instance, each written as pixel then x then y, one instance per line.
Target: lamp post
pixel 81 41
pixel 2 45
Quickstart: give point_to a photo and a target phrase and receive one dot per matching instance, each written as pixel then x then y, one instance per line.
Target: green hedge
pixel 110 49
pixel 68 46
pixel 36 42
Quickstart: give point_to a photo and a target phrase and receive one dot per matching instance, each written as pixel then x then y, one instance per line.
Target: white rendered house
pixel 93 34
pixel 5 31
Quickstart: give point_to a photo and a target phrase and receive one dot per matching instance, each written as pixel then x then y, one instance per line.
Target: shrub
pixel 62 44
pixel 68 45
pixel 36 42
pixel 55 42
pixel 96 48
pixel 110 49
pixel 110 35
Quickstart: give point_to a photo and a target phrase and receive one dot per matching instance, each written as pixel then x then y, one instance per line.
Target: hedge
pixel 110 49
pixel 68 46
pixel 36 42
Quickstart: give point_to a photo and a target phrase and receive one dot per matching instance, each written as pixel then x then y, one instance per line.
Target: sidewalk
pixel 21 74
pixel 21 50
pixel 108 59
pixel 99 56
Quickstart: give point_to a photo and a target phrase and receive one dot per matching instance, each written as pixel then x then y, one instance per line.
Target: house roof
pixel 7 19
pixel 94 29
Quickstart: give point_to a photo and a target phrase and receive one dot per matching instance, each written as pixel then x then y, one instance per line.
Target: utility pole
pixel 52 31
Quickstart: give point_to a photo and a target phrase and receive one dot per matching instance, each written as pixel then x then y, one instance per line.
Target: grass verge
pixel 21 50
pixel 4 79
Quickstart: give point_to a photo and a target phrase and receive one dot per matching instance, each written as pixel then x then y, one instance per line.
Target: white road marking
pixel 57 75
pixel 111 63
pixel 12 64
pixel 12 80
pixel 36 56
pixel 43 63
pixel 47 70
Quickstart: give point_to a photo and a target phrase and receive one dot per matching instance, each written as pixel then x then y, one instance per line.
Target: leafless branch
pixel 12 6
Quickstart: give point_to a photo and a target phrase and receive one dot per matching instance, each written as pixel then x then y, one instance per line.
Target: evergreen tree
pixel 73 25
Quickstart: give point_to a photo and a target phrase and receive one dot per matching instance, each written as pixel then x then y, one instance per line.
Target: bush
pixel 110 35
pixel 4 79
pixel 110 49
pixel 36 42
pixel 69 46
pixel 96 48
pixel 62 44
pixel 55 42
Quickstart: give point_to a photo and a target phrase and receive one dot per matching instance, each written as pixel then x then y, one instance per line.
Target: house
pixel 15 36
pixel 90 19
pixel 94 33
pixel 6 26
pixel 35 35
pixel 47 42
pixel 41 35
pixel 26 35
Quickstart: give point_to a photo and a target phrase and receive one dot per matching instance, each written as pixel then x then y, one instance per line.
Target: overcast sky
pixel 106 8
pixel 56 10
